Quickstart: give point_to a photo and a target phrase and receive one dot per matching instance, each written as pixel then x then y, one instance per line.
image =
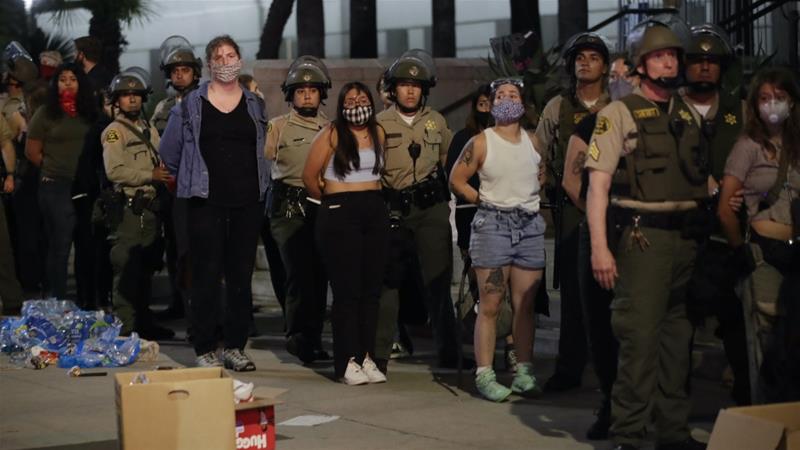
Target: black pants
pixel 353 233
pixel 572 346
pixel 277 273
pixel 222 242
pixel 596 302
pixel 93 272
pixel 28 236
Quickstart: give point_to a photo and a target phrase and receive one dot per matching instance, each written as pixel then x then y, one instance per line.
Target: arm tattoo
pixel 495 284
pixel 467 156
pixel 580 160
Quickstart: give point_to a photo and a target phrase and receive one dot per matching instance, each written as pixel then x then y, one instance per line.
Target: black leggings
pixel 222 242
pixel 353 234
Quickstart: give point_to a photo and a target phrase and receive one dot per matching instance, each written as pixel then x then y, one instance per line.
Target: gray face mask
pixel 774 112
pixel 226 73
pixel 619 88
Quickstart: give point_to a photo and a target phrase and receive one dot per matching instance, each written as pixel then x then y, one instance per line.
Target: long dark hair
pixel 85 100
pixel 755 128
pixel 472 125
pixel 345 156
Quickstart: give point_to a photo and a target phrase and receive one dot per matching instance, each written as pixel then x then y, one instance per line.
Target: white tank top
pixel 510 173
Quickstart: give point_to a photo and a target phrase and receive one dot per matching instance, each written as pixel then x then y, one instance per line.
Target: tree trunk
pixel 310 28
pixel 444 28
pixel 573 17
pixel 108 30
pixel 363 29
pixel 525 16
pixel 272 34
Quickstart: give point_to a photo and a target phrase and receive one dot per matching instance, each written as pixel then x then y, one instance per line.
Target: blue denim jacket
pixel 180 144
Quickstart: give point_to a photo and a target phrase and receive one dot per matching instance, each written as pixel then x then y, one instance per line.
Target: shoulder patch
pixel 646 113
pixel 602 125
pixel 594 151
pixel 269 127
pixel 111 136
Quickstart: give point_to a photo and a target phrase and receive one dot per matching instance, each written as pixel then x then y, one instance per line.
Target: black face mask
pixel 306 111
pixel 405 110
pixel 483 118
pixel 133 116
pixel 702 87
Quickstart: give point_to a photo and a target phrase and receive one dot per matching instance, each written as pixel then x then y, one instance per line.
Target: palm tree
pixel 363 29
pixel 105 24
pixel 444 28
pixel 310 28
pixel 573 17
pixel 271 36
pixel 525 16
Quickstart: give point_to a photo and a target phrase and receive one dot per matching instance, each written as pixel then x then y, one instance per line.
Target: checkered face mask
pixel 358 115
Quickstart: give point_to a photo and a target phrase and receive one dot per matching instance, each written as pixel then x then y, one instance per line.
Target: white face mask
pixel 774 112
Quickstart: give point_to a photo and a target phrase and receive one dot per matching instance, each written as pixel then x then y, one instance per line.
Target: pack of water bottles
pixel 81 338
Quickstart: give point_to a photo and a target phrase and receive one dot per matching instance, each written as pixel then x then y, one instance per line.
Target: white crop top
pixel 364 173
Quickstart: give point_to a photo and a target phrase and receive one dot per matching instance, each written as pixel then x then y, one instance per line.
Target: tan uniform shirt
pixel 128 161
pixel 614 136
pixel 548 123
pixel 289 140
pixel 14 105
pixel 429 129
pixel 161 113
pixel 5 130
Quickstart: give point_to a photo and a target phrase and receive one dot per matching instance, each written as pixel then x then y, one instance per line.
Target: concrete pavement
pixel 419 408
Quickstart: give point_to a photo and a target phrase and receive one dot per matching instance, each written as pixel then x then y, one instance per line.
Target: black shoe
pixel 598 431
pixel 298 346
pixel 561 383
pixel 154 332
pixel 625 447
pixel 171 313
pixel 321 355
pixel 688 444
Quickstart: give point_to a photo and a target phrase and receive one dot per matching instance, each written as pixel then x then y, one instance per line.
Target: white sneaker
pixel 354 375
pixel 373 373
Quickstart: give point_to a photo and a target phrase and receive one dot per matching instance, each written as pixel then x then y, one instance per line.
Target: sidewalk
pixel 419 408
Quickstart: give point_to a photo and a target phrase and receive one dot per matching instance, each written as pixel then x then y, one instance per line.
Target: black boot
pixel 598 431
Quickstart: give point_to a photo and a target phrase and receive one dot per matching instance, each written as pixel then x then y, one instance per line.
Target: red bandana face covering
pixel 68 103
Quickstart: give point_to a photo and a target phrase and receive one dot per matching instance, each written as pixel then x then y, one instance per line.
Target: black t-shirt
pixel 227 144
pixel 457 144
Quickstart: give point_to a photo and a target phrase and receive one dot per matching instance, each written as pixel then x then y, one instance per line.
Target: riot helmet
pixel 177 51
pixel 131 80
pixel 709 41
pixel 19 64
pixel 414 65
pixel 306 70
pixel 653 35
pixel 584 41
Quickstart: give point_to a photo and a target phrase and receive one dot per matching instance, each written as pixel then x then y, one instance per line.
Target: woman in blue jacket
pixel 214 144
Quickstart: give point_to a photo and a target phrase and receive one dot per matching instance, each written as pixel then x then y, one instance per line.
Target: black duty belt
pixel 662 221
pixel 423 195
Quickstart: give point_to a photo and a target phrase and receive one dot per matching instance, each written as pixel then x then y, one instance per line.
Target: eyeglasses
pixel 353 103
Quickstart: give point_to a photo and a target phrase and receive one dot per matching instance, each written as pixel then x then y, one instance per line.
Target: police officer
pixel 417 140
pixel 586 60
pixel 182 70
pixel 28 243
pixel 650 262
pixel 10 290
pixel 720 115
pixel 132 164
pixel 291 216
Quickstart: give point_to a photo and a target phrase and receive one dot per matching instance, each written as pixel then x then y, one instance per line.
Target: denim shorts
pixel 507 237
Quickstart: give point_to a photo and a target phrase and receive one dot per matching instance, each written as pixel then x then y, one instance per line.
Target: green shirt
pixel 62 142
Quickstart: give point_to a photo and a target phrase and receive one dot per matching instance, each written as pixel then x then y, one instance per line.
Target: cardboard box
pixel 255 421
pixel 764 427
pixel 178 409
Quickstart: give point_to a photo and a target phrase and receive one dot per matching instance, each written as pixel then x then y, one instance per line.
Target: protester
pixel 55 139
pixel 507 243
pixel 214 146
pixel 344 170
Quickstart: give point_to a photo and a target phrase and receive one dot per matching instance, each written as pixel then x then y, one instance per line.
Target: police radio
pixel 414 150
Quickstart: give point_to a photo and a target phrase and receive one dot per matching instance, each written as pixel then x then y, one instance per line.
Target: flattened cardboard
pixel 764 427
pixel 178 409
